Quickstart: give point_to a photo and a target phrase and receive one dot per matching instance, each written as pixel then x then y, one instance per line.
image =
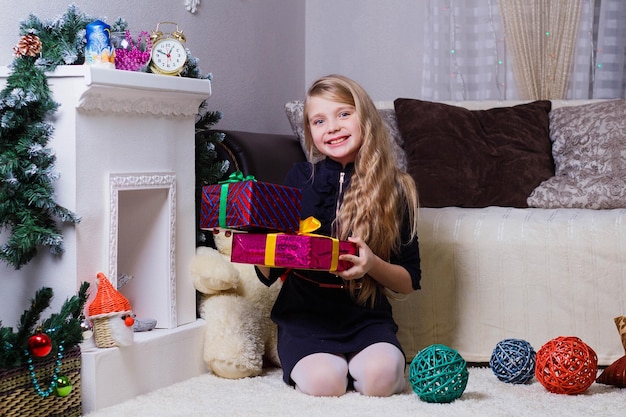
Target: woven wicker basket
pixel 19 399
pixel 102 332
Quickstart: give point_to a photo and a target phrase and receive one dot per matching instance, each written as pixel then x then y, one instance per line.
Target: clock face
pixel 168 56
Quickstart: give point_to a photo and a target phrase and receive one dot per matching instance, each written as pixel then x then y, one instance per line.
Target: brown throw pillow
pixel 475 158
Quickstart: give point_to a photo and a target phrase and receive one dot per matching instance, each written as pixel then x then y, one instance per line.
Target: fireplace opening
pixel 142 244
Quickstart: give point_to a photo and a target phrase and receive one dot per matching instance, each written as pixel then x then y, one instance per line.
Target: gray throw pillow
pixel 589 151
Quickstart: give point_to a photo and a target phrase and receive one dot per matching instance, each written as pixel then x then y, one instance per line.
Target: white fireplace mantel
pixel 115 91
pixel 125 149
pixel 133 92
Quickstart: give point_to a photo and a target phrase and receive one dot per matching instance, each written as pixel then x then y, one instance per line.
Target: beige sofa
pixel 535 274
pixel 496 272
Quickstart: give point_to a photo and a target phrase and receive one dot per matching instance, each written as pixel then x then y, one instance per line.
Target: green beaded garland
pixel 44 393
pixel 438 374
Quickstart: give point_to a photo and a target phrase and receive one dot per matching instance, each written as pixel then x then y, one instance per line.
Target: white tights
pixel 377 370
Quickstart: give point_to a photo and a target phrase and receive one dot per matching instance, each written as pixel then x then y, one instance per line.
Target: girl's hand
pixel 361 263
pixel 391 276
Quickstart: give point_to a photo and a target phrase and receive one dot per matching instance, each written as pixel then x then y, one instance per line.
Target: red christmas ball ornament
pixel 566 365
pixel 39 345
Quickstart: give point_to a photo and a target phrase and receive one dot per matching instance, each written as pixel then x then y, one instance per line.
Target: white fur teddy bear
pixel 236 307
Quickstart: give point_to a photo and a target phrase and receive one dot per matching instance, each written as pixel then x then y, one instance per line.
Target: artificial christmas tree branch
pixel 30 317
pixel 27 206
pixel 63 328
pixel 208 169
pixel 68 320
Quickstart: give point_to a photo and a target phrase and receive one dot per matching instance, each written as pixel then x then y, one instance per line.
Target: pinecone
pixel 29 45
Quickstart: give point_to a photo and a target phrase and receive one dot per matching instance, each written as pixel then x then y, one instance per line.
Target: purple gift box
pixel 298 251
pixel 250 205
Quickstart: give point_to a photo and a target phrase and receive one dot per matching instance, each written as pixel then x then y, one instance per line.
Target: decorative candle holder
pixel 99 50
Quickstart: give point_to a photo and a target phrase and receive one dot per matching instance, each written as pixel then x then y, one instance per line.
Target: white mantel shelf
pixel 117 91
pixel 94 75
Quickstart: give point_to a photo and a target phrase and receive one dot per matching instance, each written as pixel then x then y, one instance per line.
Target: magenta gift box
pixel 250 205
pixel 291 251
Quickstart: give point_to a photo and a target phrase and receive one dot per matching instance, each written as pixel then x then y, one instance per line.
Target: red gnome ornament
pixel 111 315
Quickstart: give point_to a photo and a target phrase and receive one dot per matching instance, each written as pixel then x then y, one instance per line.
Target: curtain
pixel 581 76
pixel 464 48
pixel 608 65
pixel 542 35
pixel 581 44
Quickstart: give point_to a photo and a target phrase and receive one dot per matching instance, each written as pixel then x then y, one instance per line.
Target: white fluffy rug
pixel 266 395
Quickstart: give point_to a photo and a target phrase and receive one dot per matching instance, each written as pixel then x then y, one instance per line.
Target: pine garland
pixel 27 205
pixel 63 38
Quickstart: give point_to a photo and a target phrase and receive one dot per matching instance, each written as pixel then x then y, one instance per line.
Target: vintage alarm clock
pixel 168 55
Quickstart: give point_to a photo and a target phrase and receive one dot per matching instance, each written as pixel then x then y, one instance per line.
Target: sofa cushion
pixel 294 110
pixel 589 149
pixel 475 158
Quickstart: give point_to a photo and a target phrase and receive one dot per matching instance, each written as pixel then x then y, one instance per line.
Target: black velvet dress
pixel 313 318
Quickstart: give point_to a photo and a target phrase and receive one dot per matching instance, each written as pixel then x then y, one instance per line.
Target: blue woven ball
pixel 438 374
pixel 513 361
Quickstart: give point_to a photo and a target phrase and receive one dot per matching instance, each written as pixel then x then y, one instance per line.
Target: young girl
pixel 335 330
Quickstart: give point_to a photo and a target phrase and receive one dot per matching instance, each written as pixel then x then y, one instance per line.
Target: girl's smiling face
pixel 335 129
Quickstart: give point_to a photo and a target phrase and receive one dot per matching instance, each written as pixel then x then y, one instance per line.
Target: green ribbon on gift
pixel 236 176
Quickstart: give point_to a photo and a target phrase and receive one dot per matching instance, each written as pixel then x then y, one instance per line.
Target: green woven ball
pixel 438 374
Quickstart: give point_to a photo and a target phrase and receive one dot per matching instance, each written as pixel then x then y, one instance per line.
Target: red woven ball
pixel 566 365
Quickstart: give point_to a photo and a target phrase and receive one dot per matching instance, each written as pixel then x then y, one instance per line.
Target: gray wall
pixel 378 44
pixel 263 53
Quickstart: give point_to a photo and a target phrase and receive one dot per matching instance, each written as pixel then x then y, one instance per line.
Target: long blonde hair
pixel 374 204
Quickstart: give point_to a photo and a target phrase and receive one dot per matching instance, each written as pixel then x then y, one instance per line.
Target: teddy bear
pixel 236 306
